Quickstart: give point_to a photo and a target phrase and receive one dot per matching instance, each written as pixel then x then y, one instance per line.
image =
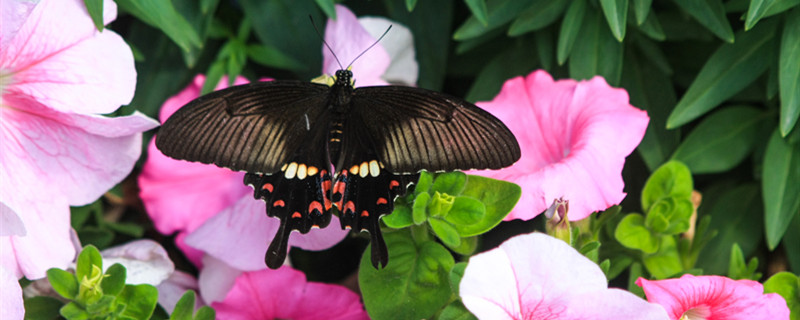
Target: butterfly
pixel 309 149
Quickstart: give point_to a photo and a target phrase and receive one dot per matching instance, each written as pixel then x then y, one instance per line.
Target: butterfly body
pixel 311 149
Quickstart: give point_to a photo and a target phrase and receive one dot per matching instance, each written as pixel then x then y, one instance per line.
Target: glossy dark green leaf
pixel 651 90
pixel 616 13
pixel 95 9
pixel 327 6
pixel 479 11
pixel 162 15
pixel 445 231
pixel 730 69
pixel 632 233
pixel 114 279
pixel 641 8
pixel 498 196
pixel 779 6
pixel 711 14
pixel 456 311
pixel 787 285
pixel 451 183
pixel 500 12
pixel 721 141
pixel 139 300
pixel 42 308
pixel 410 4
pixel 417 275
pixel 545 48
pixel 737 216
pixel 573 19
pixel 126 228
pixel 781 192
pixel 271 57
pixel 213 76
pixel 539 15
pixel 99 237
pixel 596 52
pixel 515 61
pixel 756 11
pixel 789 72
pixel 63 282
pixel 791 244
pixel 652 28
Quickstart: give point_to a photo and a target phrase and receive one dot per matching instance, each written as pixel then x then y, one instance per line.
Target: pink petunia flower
pixel 574 138
pixel 535 276
pixel 714 297
pixel 285 294
pixel 57 74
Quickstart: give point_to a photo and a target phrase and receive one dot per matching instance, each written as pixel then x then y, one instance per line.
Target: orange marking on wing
pixel 297 215
pixel 364 213
pixel 278 203
pixel 349 206
pixel 267 186
pixel 382 201
pixel 326 186
pixel 314 205
pixel 327 203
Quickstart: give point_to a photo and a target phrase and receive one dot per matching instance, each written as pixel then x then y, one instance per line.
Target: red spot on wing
pixel 364 213
pixel 267 186
pixel 382 201
pixel 314 205
pixel 278 203
pixel 297 215
pixel 393 184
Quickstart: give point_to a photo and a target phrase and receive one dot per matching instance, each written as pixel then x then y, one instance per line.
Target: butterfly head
pixel 344 77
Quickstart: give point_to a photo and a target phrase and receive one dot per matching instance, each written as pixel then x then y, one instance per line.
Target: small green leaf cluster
pixel 94 229
pixel 451 207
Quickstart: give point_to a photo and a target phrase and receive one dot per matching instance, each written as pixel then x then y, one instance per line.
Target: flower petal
pixel 240 234
pixel 10 223
pixel 216 279
pixel 13 13
pixel 11 296
pixel 284 294
pixel 59 59
pixel 145 261
pixel 715 297
pixel 574 137
pixel 172 289
pixel 348 39
pixel 399 44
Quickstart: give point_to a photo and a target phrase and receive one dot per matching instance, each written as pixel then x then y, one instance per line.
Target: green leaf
pixel 328 6
pixel 400 217
pixel 162 15
pixel 780 172
pixel 445 231
pixel 418 275
pixel 467 247
pixel 236 60
pixel 596 52
pixel 499 12
pixel 616 12
pixel 730 69
pixel 570 26
pixel 139 300
pixel 451 183
pixel 756 11
pixel 711 14
pixel 652 91
pixel 634 274
pixel 671 180
pixel 205 313
pixel 63 282
pixel 514 61
pixel 79 215
pixel 456 274
pixel 184 308
pixel 789 72
pixel 479 11
pixel 721 141
pixel 270 57
pixel 652 28
pixel 787 285
pixel 466 211
pixel 126 228
pixel 42 308
pixel 114 279
pixel 544 48
pixel 456 311
pixel 424 183
pixel 419 210
pixel 791 244
pixel 95 236
pixel 72 311
pixel 410 4
pixel 737 216
pixel 539 15
pixel 641 9
pixel 780 6
pixel 666 262
pixel 95 9
pixel 213 76
pixel 88 257
pixel 632 233
pixel 499 197
pixel 739 269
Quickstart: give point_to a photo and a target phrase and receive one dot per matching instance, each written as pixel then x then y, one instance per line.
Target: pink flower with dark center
pixel 574 137
pixel 714 297
pixel 285 294
pixel 57 75
pixel 535 276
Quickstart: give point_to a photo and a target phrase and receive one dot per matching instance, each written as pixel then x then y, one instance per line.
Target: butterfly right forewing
pixel 254 127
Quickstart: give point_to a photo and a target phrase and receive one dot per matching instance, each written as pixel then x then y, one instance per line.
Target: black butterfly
pixel 308 147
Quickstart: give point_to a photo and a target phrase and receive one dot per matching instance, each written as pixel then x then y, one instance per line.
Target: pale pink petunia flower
pixel 535 276
pixel 57 75
pixel 714 298
pixel 285 294
pixel 574 137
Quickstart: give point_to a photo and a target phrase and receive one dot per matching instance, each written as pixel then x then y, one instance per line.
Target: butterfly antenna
pixel 325 43
pixel 370 47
